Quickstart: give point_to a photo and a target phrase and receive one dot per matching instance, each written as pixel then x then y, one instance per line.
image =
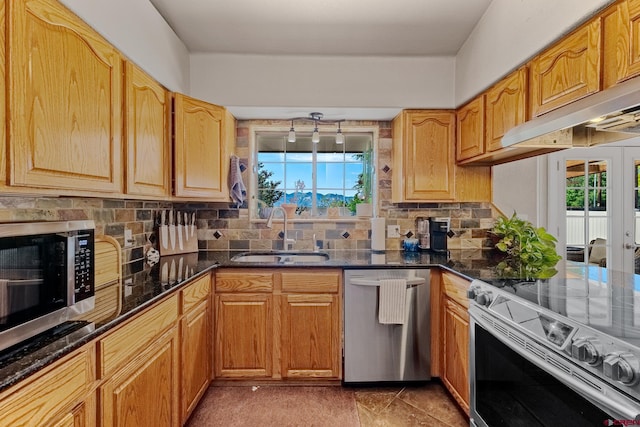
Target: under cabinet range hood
pixel 611 115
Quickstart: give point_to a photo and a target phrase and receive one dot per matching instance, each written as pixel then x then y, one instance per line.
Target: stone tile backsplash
pixel 222 226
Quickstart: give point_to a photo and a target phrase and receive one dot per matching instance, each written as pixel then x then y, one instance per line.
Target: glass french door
pixel 585 205
pixel 594 202
pixel 631 203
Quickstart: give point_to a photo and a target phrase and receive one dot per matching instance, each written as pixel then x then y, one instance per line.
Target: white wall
pixel 509 33
pixel 521 186
pixel 283 81
pixel 136 28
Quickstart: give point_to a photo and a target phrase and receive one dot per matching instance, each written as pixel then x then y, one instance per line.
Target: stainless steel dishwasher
pixel 375 352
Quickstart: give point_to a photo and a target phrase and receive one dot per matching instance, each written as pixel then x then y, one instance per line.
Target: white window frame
pixel 301 129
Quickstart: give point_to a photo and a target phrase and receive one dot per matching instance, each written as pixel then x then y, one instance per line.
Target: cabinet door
pixel 65 101
pixel 506 107
pixel 622 55
pixel 201 158
pixel 470 129
pixel 83 415
pixel 311 336
pixel 568 71
pixel 143 392
pixel 147 126
pixel 424 142
pixel 196 357
pixel 60 395
pixel 244 335
pixel 456 352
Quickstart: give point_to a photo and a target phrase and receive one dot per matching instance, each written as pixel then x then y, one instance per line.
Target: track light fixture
pixel 316 118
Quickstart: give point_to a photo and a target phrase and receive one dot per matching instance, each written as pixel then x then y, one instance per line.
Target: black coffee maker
pixel 438 229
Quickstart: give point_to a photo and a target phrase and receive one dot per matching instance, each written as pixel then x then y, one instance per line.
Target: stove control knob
pixel 588 350
pixel 622 367
pixel 484 298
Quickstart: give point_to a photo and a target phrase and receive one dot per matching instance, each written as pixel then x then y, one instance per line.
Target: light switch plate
pixel 128 237
pixel 393 231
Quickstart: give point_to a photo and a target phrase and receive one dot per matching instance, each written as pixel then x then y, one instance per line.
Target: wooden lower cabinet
pixel 82 415
pixel 311 336
pixel 455 338
pixel 455 374
pixel 149 371
pixel 196 345
pixel 278 324
pixel 143 392
pixel 60 396
pixel 244 337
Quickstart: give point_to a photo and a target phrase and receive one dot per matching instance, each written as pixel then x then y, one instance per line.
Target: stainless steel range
pixel 560 352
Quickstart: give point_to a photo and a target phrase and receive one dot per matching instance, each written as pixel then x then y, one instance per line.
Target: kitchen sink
pixel 282 257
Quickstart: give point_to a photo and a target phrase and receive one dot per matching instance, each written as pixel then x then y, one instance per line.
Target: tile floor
pixel 392 406
pixel 425 405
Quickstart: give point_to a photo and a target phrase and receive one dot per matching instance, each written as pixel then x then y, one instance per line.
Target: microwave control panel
pixel 83 268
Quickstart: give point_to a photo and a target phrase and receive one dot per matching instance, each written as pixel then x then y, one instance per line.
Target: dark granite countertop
pixel 152 284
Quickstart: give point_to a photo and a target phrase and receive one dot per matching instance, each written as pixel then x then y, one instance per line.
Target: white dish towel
pixel 391 301
pixel 236 185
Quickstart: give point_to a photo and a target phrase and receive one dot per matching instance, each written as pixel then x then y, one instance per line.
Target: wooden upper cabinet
pixel 64 101
pixel 622 42
pixel 506 108
pixel 470 129
pixel 568 71
pixel 200 148
pixel 424 155
pixel 147 127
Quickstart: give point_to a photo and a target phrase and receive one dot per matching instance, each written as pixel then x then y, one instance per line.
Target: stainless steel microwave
pixel 46 276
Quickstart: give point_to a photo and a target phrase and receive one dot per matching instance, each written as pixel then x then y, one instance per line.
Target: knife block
pixel 170 236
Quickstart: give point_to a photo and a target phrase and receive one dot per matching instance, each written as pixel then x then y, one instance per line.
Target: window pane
pixel 575 229
pixel 353 172
pixel 331 157
pixel 298 172
pixel 598 199
pixel 575 199
pixel 270 157
pixel 298 157
pixel 330 175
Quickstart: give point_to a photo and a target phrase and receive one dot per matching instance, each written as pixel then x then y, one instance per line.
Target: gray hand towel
pixel 236 186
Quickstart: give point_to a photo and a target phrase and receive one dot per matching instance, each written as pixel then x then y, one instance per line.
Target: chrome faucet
pixel 287 244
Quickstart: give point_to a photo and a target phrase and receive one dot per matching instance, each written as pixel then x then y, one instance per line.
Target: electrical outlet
pixel 128 287
pixel 128 237
pixel 393 231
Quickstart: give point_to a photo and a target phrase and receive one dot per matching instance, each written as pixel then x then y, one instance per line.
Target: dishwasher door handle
pixel 413 282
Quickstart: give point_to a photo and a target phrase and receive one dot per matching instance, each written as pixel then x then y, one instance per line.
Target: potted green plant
pixel 267 191
pixel 530 251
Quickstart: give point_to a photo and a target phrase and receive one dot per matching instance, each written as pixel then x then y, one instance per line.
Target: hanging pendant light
pixel 315 136
pixel 316 118
pixel 292 134
pixel 339 135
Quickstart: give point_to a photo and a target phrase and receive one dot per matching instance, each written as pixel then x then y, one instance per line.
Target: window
pixel 314 177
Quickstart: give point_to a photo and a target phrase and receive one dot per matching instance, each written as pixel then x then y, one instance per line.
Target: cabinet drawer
pixel 195 292
pixel 44 398
pixel 313 282
pixel 123 344
pixel 244 281
pixel 455 287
